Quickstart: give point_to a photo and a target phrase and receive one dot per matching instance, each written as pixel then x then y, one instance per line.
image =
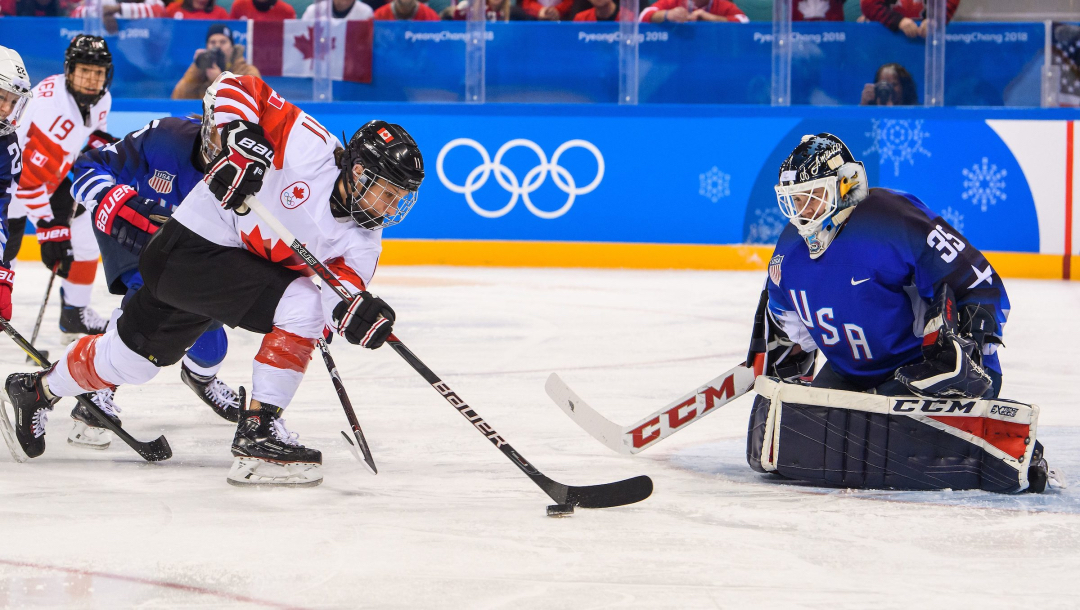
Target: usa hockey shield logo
pixel 162 181
pixel 774 269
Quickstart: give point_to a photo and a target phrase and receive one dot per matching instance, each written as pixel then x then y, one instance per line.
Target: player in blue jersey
pixel 148 174
pixel 14 94
pixel 895 298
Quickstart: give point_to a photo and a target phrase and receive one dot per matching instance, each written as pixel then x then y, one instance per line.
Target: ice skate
pixel 30 405
pixel 268 454
pixel 87 431
pixel 78 321
pixel 214 392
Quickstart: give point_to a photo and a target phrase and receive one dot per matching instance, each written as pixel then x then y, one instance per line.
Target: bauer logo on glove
pixel 238 171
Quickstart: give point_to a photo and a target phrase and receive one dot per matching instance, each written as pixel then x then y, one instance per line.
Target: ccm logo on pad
pixel 932 406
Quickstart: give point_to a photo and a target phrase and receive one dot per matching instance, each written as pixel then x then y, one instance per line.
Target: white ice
pixel 449 522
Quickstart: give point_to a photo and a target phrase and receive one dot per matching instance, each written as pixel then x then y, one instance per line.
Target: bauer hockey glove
pixel 365 321
pixel 242 165
pixel 948 368
pixel 55 239
pixel 128 218
pixel 7 279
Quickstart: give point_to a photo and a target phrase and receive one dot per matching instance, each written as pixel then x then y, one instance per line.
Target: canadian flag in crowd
pixel 286 48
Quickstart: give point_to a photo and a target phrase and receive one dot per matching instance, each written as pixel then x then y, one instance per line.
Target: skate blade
pixel 251 472
pixel 8 431
pixel 89 437
pixel 1055 479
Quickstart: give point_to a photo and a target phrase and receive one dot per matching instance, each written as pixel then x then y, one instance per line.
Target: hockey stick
pixel 638 437
pixel 153 451
pixel 41 315
pixel 346 404
pixel 605 495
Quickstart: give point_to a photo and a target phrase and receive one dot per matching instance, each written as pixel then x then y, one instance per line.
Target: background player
pixel 67 111
pixel 894 297
pixel 213 261
pixel 147 173
pixel 14 94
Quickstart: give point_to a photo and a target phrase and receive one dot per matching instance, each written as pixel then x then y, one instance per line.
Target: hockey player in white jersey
pixel 214 261
pixel 68 111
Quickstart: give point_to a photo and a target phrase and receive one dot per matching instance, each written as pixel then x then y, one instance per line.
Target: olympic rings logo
pixel 534 178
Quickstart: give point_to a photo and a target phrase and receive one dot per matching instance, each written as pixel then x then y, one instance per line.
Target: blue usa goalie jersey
pixel 160 161
pixel 862 302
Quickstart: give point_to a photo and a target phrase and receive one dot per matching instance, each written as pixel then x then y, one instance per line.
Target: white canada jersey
pixel 52 134
pixel 296 190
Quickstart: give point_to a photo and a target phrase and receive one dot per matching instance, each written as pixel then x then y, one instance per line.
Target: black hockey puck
pixel 560 510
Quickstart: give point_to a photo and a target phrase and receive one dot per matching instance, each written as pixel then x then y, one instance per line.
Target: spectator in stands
pixel 219 55
pixel 354 10
pixel 497 10
pixel 39 8
pixel 262 10
pixel 195 9
pixel 405 10
pixel 602 10
pixel 817 10
pixel 126 9
pixel 548 10
pixel 679 11
pixel 892 86
pixel 902 14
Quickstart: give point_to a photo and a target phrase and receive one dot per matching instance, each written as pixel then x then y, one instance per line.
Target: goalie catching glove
pixel 128 218
pixel 951 361
pixel 55 239
pixel 238 171
pixel 366 321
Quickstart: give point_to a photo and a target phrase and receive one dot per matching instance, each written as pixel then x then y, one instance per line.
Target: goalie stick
pixel 638 437
pixel 152 451
pixel 606 495
pixel 346 404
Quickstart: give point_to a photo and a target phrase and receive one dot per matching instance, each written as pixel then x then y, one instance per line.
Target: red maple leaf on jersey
pixel 298 192
pixel 274 250
pixel 305 43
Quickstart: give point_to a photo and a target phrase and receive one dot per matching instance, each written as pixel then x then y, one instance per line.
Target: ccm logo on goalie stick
pixel 932 406
pixel 682 413
pixel 469 414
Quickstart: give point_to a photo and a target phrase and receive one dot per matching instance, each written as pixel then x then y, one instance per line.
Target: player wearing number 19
pixel 900 304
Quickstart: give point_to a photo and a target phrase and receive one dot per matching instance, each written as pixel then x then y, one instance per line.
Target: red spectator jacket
pixel 176 10
pixel 890 12
pixel 590 15
pixel 533 7
pixel 817 10
pixel 721 8
pixel 245 9
pixel 423 13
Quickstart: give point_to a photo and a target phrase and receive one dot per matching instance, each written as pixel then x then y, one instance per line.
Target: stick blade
pixel 588 419
pixel 619 493
pixel 157 450
pixel 364 459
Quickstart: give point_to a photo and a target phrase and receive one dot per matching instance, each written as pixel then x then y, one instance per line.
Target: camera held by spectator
pixel 892 86
pixel 220 55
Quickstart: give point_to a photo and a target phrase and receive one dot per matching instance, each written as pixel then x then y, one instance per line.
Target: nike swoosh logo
pixel 854 283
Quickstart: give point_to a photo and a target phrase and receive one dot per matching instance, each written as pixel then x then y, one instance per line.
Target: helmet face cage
pixel 797 199
pixel 375 202
pixel 91 51
pixel 210 140
pixel 10 123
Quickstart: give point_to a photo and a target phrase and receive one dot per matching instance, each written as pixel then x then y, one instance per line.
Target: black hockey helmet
pixel 90 50
pixel 391 163
pixel 815 157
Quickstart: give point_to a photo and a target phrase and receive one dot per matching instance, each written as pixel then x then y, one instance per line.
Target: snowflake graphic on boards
pixel 897 140
pixel 984 184
pixel 813 9
pixel 954 218
pixel 715 185
pixel 768 226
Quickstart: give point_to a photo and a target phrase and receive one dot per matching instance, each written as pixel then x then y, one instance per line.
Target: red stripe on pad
pixel 1009 437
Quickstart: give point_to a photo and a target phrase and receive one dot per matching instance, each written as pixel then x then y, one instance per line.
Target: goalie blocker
pixel 858 440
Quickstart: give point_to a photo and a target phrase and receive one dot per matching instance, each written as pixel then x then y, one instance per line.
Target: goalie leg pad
pixel 856 440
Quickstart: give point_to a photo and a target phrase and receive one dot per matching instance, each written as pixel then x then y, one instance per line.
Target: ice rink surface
pixel 450 523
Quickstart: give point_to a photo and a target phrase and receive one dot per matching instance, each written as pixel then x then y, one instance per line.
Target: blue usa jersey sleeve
pixel 10 168
pixel 863 301
pixel 156 160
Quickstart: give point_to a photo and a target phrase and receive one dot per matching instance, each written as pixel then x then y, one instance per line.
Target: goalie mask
pixel 209 134
pixel 14 90
pixel 820 184
pixel 381 171
pixel 90 51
